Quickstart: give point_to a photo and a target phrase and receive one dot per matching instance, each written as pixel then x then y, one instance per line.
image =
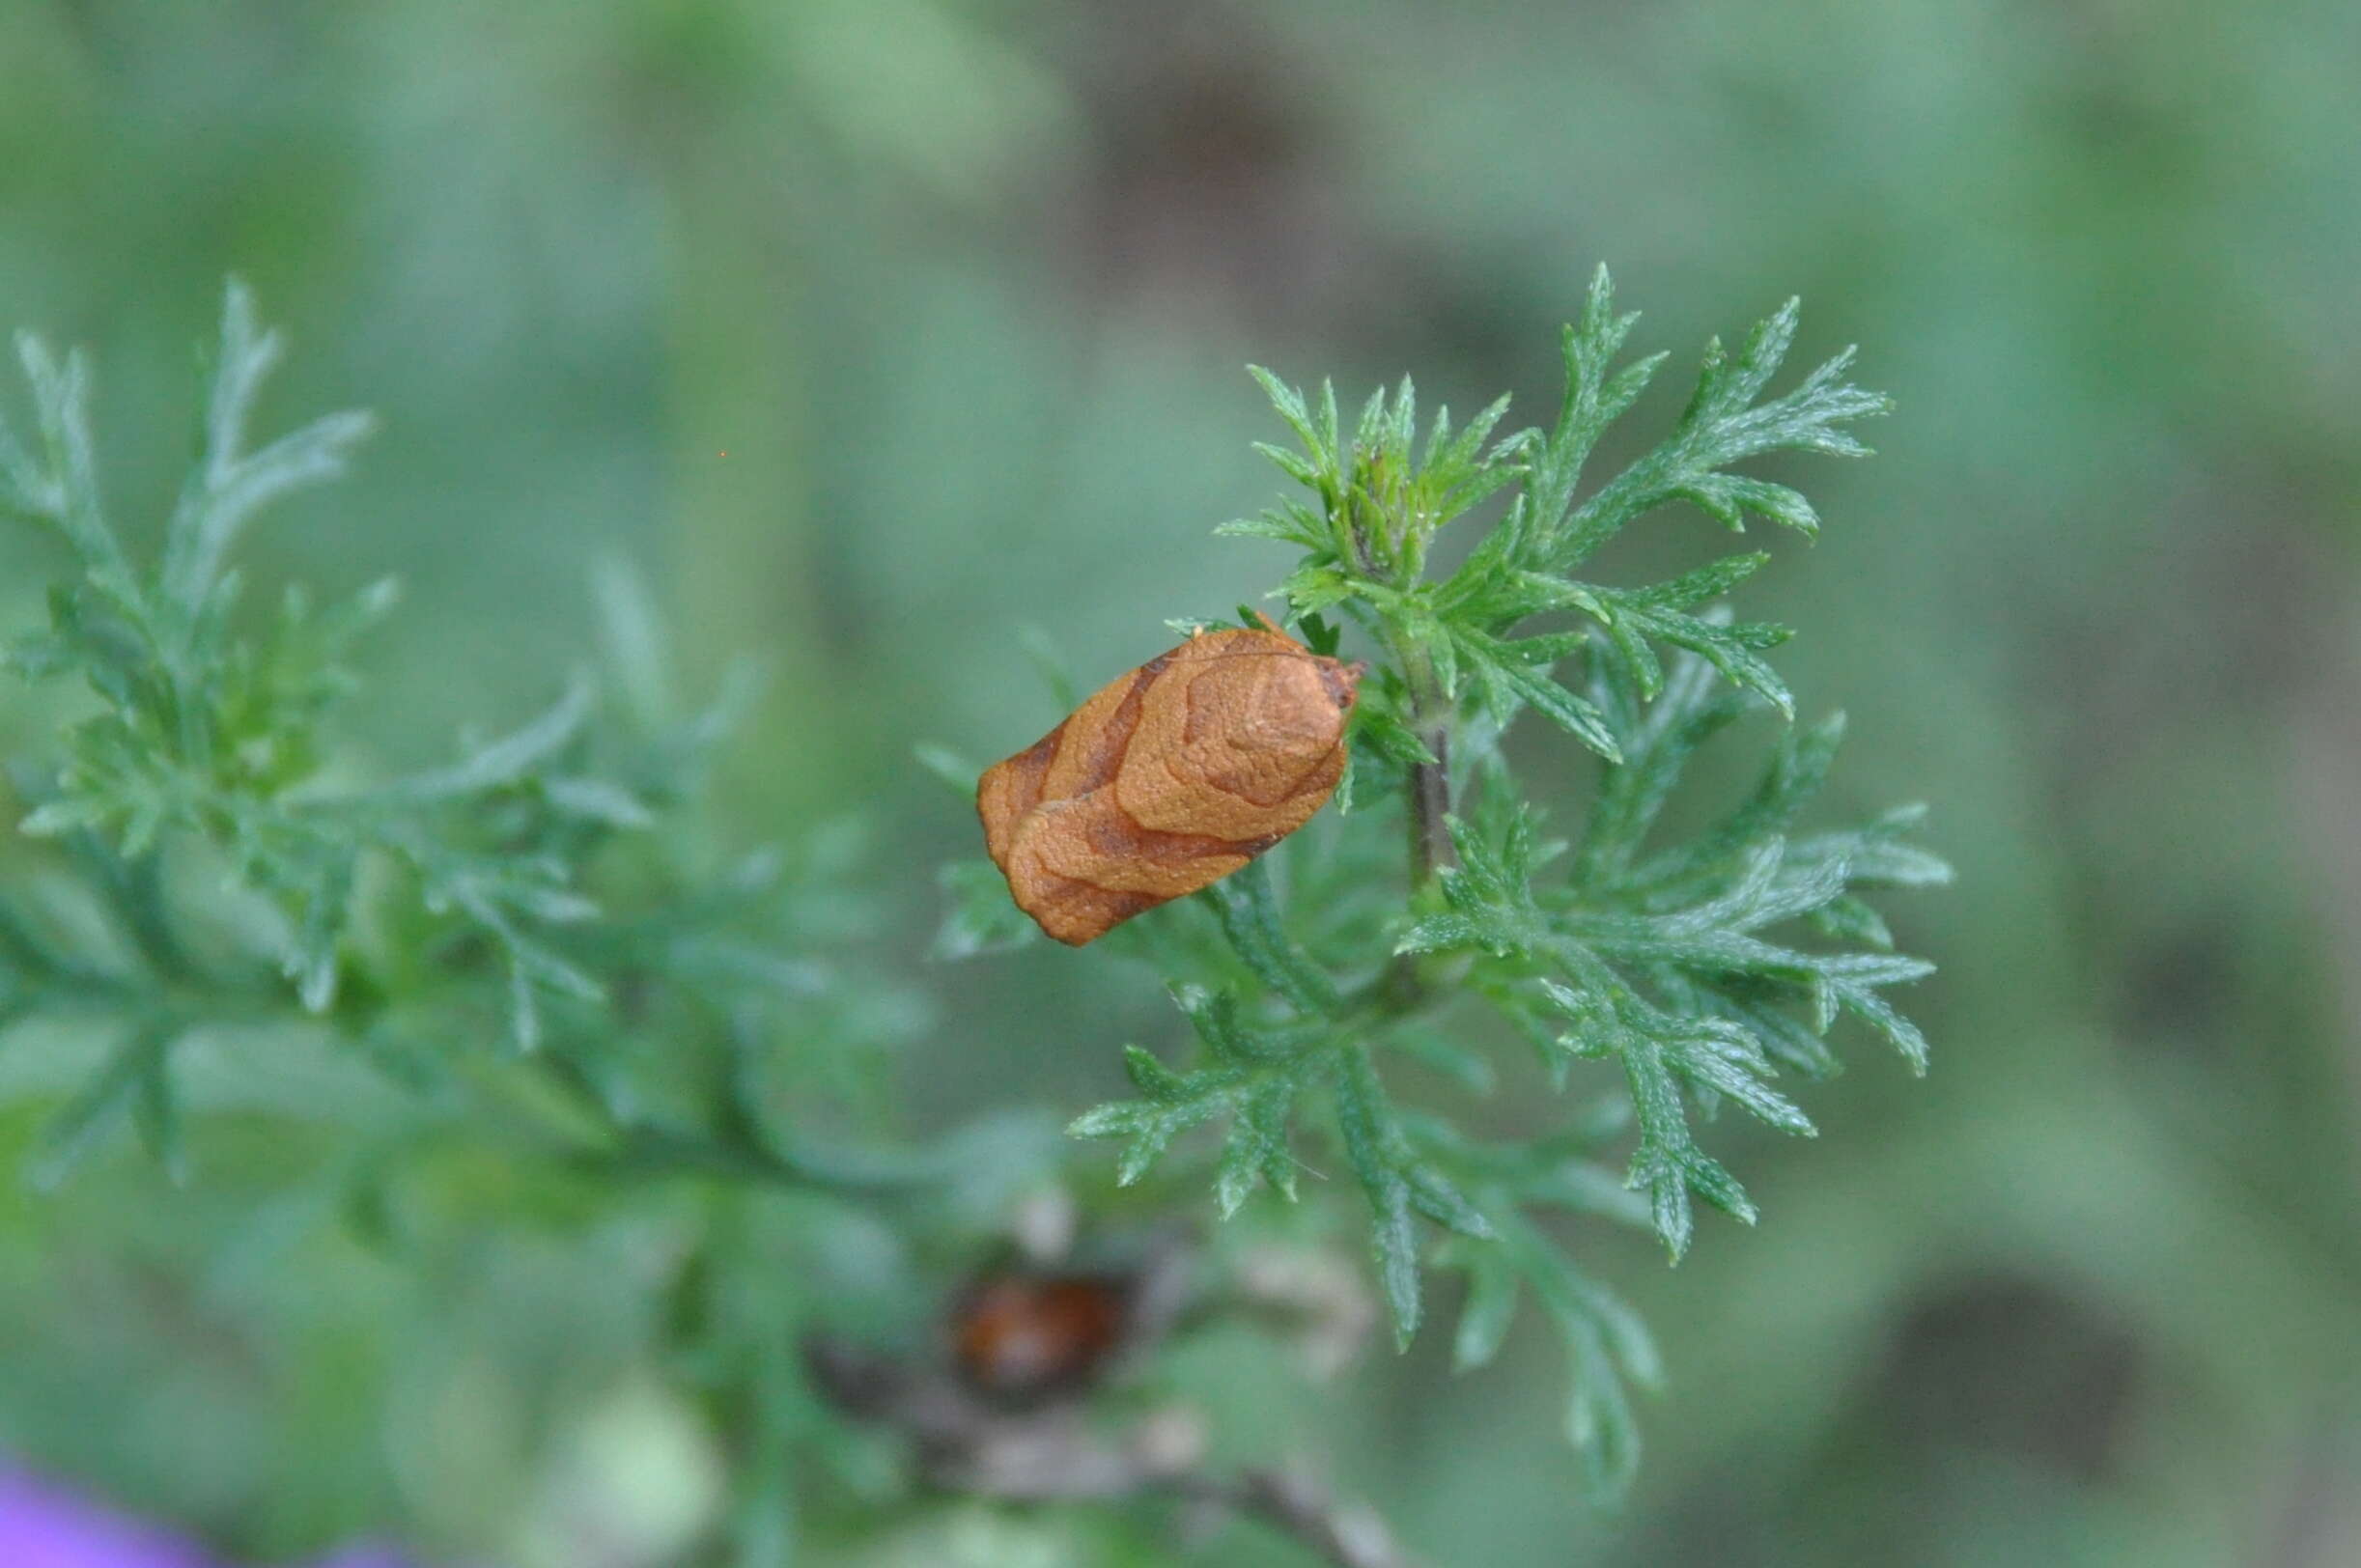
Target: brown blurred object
pixel 1030 1340
pixel 1020 1338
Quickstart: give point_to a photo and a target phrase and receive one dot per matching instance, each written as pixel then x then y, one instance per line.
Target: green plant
pixel 536 952
pixel 420 919
pixel 1673 957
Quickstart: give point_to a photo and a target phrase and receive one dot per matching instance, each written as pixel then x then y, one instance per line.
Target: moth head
pixel 1342 681
pixel 1289 703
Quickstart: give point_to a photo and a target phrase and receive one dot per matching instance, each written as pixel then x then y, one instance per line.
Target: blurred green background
pixel 877 330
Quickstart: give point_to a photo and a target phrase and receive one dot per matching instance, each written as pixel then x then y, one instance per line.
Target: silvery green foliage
pixel 532 946
pixel 530 952
pixel 1706 968
pixel 538 901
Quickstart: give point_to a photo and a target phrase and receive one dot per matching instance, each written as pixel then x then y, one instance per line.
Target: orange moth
pixel 1168 778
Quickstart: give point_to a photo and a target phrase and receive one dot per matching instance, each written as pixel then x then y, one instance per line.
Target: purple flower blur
pixel 44 1526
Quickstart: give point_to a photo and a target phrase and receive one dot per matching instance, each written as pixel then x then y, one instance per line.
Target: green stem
pixel 1403 988
pixel 1430 714
pixel 1430 782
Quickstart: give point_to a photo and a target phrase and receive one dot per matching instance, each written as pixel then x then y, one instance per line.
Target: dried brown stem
pixel 1052 1453
pixel 1345 1534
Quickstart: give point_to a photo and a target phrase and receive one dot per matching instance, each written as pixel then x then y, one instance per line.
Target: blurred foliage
pixel 963 291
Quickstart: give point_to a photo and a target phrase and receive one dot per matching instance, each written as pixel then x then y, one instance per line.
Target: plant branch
pixel 1427 807
pixel 969 1444
pixel 1430 782
pixel 1347 1534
